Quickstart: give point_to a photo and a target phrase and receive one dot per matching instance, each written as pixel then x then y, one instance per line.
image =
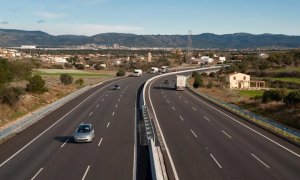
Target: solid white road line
pixel 108 124
pixel 216 161
pixel 116 106
pixel 260 160
pixel 194 108
pixel 242 124
pixel 185 102
pixel 194 133
pixel 113 113
pixel 97 105
pixel 37 174
pixel 90 113
pixel 173 108
pixel 100 142
pixel 85 173
pixel 226 134
pixel 181 118
pixel 168 101
pixel 64 143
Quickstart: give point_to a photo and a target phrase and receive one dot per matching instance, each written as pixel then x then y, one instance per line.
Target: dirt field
pixel 30 102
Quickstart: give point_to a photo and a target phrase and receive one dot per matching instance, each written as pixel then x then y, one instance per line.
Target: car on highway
pixel 116 87
pixel 84 133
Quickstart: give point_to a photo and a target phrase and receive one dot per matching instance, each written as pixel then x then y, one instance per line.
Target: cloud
pixel 40 21
pixel 4 22
pixel 50 15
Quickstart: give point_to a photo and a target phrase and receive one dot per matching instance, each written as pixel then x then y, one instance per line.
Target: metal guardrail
pixel 32 118
pixel 279 129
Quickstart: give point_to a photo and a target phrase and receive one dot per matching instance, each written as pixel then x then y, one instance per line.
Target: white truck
pixel 154 70
pixel 137 73
pixel 164 69
pixel 180 82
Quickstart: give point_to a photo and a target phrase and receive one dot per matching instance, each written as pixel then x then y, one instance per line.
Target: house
pixel 207 59
pixel 222 59
pixel 242 81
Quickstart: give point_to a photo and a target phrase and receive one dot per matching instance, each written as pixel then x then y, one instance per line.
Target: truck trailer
pixel 180 82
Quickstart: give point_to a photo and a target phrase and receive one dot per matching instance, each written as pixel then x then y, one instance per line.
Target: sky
pixel 91 17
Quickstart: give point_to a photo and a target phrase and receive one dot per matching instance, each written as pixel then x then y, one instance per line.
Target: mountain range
pixel 15 38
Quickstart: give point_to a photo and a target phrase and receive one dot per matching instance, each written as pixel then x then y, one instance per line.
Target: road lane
pixel 233 154
pixel 60 157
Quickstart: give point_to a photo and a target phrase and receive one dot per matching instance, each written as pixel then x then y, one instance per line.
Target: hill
pixel 13 38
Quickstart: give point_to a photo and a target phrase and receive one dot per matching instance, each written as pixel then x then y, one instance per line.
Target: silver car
pixel 84 133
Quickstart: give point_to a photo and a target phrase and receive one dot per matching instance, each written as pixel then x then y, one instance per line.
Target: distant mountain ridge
pixel 14 38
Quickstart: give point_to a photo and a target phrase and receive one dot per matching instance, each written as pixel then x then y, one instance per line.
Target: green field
pixel 288 79
pixel 289 69
pixel 251 93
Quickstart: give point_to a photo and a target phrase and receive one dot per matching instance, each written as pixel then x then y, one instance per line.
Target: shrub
pixel 79 66
pixel 194 74
pixel 293 97
pixel 11 95
pixel 120 73
pixel 79 82
pixel 273 95
pixel 210 85
pixel 57 66
pixel 66 79
pixel 98 67
pixel 6 74
pixel 36 85
pixel 68 66
pixel 198 82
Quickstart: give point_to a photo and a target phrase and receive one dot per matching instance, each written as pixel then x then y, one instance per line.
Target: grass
pixel 288 79
pixel 72 74
pixel 250 93
pixel 286 69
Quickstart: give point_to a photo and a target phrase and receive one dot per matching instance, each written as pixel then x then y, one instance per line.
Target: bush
pixel 194 74
pixel 273 95
pixel 120 73
pixel 79 66
pixel 293 97
pixel 210 85
pixel 36 85
pixel 98 67
pixel 6 74
pixel 66 79
pixel 11 95
pixel 57 66
pixel 68 66
pixel 198 82
pixel 79 82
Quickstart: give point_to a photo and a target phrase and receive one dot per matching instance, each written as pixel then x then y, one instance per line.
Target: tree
pixel 36 85
pixel 79 66
pixel 10 95
pixel 120 73
pixel 6 74
pixel 293 97
pixel 273 95
pixel 198 82
pixel 66 79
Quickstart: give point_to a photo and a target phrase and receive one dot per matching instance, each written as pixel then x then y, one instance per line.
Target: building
pixel 242 81
pixel 207 59
pixel 28 47
pixel 149 57
pixel 222 59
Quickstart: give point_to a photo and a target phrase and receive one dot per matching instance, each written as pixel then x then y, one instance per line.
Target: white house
pixel 238 81
pixel 242 81
pixel 207 59
pixel 222 59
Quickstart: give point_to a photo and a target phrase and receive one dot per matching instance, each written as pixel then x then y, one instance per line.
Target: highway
pixel 46 150
pixel 204 141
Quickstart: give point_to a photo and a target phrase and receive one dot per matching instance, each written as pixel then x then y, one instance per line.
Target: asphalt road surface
pixel 206 142
pixel 46 150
